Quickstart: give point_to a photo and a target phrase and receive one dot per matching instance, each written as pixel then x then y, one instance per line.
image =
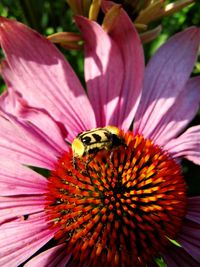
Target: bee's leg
pixel 111 155
pixel 88 162
pixel 90 159
pixel 74 162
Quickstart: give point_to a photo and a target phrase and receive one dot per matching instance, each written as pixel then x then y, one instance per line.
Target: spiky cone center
pixel 117 207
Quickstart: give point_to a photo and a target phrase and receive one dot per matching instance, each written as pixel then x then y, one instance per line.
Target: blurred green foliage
pixel 177 22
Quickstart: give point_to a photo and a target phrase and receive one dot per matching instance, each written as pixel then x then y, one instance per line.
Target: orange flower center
pixel 117 207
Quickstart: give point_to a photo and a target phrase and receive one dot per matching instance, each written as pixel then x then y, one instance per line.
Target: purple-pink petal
pixel 186 145
pixel 20 239
pixel 26 143
pixel 180 114
pixel 12 102
pixel 189 239
pixel 53 257
pixel 165 78
pixel 193 213
pixel 18 206
pixel 103 63
pixel 39 72
pixel 128 42
pixel 178 257
pixel 16 179
pixel 8 102
pixel 189 236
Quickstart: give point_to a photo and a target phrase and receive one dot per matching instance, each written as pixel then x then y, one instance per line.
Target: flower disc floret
pixel 117 207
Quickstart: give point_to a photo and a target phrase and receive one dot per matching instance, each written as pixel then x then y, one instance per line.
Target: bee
pixel 96 139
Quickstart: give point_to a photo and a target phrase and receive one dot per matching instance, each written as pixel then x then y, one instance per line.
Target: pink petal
pixel 189 239
pixel 178 257
pixel 193 213
pixel 16 179
pixel 6 102
pixel 40 73
pixel 12 102
pixel 128 41
pixel 103 61
pixel 165 77
pixel 12 207
pixel 27 144
pixel 180 114
pixel 54 257
pixel 187 145
pixel 21 239
pixel 114 68
pixel 48 128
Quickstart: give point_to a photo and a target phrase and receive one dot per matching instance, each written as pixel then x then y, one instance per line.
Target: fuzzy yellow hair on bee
pixel 96 139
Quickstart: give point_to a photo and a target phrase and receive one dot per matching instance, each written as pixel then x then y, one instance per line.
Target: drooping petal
pixel 103 63
pixel 193 213
pixel 38 71
pixel 180 114
pixel 114 68
pixel 11 102
pixel 178 257
pixel 25 143
pixel 54 257
pixel 7 103
pixel 16 179
pixel 189 239
pixel 187 145
pixel 20 239
pixel 165 77
pixel 18 206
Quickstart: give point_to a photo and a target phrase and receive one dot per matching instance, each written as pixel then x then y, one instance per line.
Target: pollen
pixel 117 207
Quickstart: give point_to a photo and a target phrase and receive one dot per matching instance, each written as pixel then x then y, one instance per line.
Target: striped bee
pixel 96 139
